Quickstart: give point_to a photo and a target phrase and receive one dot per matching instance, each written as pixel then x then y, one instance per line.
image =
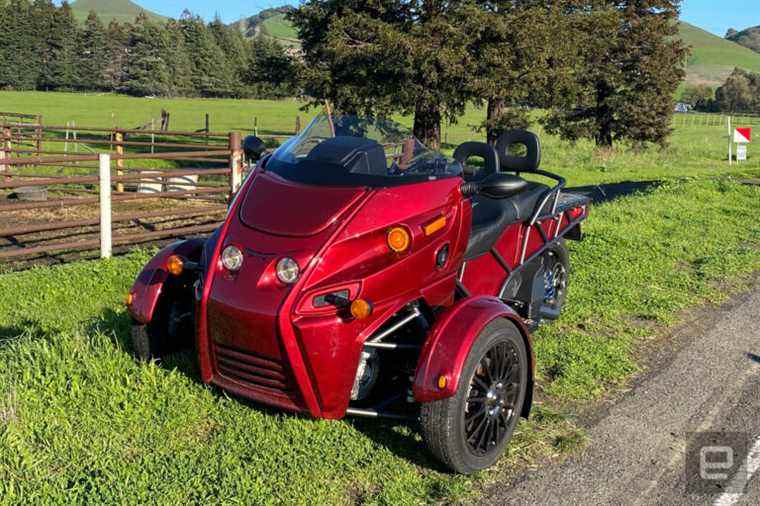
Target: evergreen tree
pixel 60 46
pixel 179 62
pixel 380 56
pixel 630 66
pixel 235 50
pixel 19 64
pixel 521 53
pixel 212 75
pixel 147 70
pixel 93 54
pixel 740 93
pixel 271 72
pixel 117 49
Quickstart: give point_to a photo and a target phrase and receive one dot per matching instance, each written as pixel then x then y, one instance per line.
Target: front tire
pixel 468 432
pixel 171 330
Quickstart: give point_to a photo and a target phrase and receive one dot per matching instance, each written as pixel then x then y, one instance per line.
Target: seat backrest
pixel 509 162
pixel 482 150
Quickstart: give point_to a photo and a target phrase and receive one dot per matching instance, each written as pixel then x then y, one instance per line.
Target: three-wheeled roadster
pixel 360 273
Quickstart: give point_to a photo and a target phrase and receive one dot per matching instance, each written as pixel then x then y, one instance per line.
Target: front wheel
pixel 468 432
pixel 170 331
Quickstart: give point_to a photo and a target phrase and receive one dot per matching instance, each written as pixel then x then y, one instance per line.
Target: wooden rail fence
pixel 131 187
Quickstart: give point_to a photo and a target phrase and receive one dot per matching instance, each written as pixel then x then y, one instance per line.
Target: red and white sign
pixel 743 135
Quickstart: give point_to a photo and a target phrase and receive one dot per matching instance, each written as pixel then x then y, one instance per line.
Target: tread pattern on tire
pixel 438 419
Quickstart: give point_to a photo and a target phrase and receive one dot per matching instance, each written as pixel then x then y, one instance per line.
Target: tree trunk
pixel 427 124
pixel 604 118
pixel 495 110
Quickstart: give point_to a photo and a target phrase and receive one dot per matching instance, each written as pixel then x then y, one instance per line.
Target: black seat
pixel 490 217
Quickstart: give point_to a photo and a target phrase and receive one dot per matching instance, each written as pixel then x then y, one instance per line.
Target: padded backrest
pixel 482 150
pixel 511 162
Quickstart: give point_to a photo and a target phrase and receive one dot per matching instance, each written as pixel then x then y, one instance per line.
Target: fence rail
pixel 130 187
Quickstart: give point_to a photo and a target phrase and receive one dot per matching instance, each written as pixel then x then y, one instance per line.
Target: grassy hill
pixel 123 11
pixel 713 58
pixel 749 38
pixel 270 23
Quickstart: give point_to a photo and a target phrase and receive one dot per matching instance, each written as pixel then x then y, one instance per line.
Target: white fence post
pixel 730 142
pixel 105 206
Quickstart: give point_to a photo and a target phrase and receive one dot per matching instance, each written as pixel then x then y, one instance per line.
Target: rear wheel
pixel 468 432
pixel 556 277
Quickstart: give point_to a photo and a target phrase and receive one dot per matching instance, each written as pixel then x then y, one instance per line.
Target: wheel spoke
pixel 469 417
pixel 475 434
pixel 483 438
pixel 501 362
pixel 493 365
pixel 480 383
pixel 498 430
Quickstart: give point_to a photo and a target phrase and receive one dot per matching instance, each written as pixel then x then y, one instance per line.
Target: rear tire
pixel 556 280
pixel 468 432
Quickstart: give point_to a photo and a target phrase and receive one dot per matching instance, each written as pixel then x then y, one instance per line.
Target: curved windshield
pixel 354 151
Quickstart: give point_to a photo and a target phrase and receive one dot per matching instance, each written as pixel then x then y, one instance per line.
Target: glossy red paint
pixel 276 201
pixel 314 354
pixel 150 283
pixel 450 341
pixel 266 341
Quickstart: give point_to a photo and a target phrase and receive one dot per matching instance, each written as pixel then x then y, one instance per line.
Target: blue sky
pixel 716 16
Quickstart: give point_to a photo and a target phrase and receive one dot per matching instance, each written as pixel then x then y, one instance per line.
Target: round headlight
pixel 232 258
pixel 288 270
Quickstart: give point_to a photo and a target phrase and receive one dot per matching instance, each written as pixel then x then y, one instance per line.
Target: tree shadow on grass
pixel 25 328
pixel 611 191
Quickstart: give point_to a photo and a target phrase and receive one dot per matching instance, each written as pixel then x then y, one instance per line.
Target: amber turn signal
pixel 398 239
pixel 434 226
pixel 442 382
pixel 175 265
pixel 129 299
pixel 361 309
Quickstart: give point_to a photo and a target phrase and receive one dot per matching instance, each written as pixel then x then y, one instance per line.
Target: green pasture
pixel 695 150
pixel 82 422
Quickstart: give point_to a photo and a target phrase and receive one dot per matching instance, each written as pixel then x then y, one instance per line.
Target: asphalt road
pixel 704 380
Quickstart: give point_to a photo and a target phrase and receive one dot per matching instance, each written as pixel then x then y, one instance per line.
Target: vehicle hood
pixel 276 206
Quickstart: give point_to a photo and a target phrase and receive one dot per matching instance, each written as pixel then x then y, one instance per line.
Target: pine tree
pixel 521 53
pixel 19 64
pixel 379 57
pixel 93 54
pixel 179 61
pixel 271 72
pixel 212 76
pixel 630 67
pixel 57 44
pixel 117 49
pixel 147 70
pixel 235 50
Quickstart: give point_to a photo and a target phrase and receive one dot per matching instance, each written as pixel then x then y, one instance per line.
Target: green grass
pixel 714 58
pixel 694 151
pixel 81 421
pixel 123 11
pixel 279 28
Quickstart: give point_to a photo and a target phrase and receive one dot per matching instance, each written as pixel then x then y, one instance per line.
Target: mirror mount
pixel 254 148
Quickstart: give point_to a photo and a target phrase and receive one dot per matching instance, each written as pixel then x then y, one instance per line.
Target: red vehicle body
pixel 298 346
